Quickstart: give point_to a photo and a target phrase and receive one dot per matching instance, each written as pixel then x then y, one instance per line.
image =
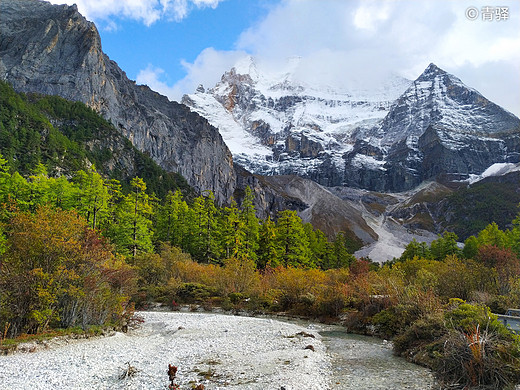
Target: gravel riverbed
pixel 218 351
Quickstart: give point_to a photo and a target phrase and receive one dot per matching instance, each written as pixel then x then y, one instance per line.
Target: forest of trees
pixel 102 226
pixel 61 235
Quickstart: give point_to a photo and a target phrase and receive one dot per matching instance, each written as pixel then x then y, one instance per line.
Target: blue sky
pixel 174 45
pixel 167 44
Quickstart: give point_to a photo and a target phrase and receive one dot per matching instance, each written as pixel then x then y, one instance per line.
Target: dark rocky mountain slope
pixel 54 50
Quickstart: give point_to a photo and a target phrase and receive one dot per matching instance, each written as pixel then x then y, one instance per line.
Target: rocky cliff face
pixel 54 50
pixel 390 139
pixel 437 127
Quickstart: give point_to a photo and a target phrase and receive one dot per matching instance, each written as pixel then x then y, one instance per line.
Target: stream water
pixel 361 362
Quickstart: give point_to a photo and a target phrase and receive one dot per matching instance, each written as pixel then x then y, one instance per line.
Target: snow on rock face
pixel 275 124
pixel 389 139
pixel 441 99
pixel 497 169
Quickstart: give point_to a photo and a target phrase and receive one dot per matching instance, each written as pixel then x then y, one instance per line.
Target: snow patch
pixel 370 162
pixel 498 169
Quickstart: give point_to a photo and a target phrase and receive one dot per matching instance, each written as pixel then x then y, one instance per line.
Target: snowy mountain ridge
pixel 387 138
pixel 264 115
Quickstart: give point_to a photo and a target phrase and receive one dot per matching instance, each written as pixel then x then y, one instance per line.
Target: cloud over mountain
pixel 144 11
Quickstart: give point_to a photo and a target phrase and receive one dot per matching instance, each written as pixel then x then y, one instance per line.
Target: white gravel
pixel 218 351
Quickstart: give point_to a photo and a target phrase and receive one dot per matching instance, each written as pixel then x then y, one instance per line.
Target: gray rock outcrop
pixel 54 50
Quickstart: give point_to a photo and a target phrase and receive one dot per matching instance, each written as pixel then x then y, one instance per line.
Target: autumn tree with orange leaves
pixel 56 271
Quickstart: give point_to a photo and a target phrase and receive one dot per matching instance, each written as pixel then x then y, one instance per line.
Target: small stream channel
pixel 367 363
pixel 361 362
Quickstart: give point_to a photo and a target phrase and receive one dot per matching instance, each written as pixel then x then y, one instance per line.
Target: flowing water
pixel 361 362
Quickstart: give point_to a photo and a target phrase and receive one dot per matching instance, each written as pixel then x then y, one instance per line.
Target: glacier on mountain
pixel 265 116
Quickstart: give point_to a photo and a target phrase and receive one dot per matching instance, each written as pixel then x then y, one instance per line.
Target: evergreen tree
pixel 470 249
pixel 416 249
pixel 445 245
pixel 340 256
pixel 203 228
pixel 513 236
pixel 233 233
pixel 38 188
pixel 317 246
pixel 93 195
pixel 171 223
pixel 132 230
pixel 292 240
pixel 20 191
pixel 492 235
pixel 5 189
pixel 210 233
pixel 62 193
pixel 249 223
pixel 269 250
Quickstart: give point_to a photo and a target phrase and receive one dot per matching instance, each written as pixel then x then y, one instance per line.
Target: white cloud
pixel 370 13
pixel 364 40
pixel 207 69
pixel 356 41
pixel 145 11
pixel 151 77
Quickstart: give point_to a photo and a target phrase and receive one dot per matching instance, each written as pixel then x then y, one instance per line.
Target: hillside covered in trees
pixel 67 136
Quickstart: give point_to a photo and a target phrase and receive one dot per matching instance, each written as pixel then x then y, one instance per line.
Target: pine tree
pixel 513 236
pixel 132 229
pixel 203 228
pixel 492 235
pixel 318 246
pixel 445 245
pixel 93 195
pixel 250 224
pixel 470 249
pixel 292 240
pixel 341 258
pixel 171 221
pixel 233 234
pixel 62 193
pixel 5 190
pixel 210 233
pixel 269 250
pixel 38 187
pixel 416 249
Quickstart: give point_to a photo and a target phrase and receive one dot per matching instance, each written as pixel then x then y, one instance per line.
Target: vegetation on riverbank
pixel 8 345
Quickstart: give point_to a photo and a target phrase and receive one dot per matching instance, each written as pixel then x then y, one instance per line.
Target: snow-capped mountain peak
pixel 274 123
pixel 443 100
pixel 378 138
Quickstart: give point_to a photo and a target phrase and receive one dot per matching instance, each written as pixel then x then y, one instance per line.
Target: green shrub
pixel 423 335
pixel 466 317
pixel 236 298
pixel 394 320
pixel 195 292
